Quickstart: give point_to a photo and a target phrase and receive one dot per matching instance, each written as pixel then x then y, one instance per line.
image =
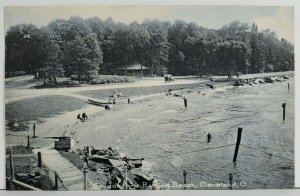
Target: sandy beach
pixel 64 122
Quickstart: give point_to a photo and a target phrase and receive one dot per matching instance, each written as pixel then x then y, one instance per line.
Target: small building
pixel 63 143
pixel 135 69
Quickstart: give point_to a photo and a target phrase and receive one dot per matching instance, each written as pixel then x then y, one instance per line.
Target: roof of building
pixel 135 66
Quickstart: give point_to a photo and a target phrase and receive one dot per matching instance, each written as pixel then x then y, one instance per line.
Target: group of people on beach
pixel 82 118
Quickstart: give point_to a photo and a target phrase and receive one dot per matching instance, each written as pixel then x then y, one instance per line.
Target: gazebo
pixel 134 70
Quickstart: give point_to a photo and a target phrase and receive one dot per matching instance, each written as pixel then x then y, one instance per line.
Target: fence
pixel 14 184
pixel 54 177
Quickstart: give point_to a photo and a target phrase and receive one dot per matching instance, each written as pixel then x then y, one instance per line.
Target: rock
pixel 100 152
pixel 286 77
pixel 37 177
pixel 142 178
pixel 237 83
pixel 22 175
pixel 177 95
pixel 269 80
pixel 210 86
pixel 259 81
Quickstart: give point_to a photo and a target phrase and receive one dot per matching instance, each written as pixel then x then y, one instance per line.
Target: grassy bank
pixel 26 170
pixel 18 114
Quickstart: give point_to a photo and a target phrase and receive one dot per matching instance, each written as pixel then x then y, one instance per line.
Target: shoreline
pixel 94 137
pixel 95 113
pixel 47 123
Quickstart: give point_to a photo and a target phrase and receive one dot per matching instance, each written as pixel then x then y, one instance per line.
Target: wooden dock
pixel 71 176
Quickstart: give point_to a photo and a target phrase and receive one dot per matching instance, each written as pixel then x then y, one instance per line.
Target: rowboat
pixel 98 103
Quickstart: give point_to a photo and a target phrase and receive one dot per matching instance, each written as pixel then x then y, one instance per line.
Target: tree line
pixel 83 48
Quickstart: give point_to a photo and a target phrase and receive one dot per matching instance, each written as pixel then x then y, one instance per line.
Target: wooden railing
pixel 16 185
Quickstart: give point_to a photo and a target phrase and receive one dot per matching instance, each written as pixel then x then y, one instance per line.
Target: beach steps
pixel 71 176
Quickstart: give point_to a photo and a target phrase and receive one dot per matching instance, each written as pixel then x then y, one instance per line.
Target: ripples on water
pixel 164 137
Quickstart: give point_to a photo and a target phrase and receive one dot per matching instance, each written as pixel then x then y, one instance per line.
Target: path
pixel 71 176
pixel 15 93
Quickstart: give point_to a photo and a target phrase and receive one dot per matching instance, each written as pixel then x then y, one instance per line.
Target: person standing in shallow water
pixel 208 137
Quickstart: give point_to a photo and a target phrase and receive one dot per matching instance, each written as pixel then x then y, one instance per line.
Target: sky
pixel 276 18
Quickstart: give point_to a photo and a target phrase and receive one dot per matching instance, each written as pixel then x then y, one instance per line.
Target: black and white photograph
pixel 149 97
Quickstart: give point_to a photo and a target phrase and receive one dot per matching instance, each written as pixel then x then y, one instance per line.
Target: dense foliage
pixel 89 47
pixel 103 79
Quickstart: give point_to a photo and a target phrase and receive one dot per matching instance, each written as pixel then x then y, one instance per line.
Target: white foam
pixel 176 161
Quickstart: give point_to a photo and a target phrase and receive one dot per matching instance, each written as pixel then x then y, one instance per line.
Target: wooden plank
pixel 69 174
pixel 70 183
pixel 66 168
pixel 73 178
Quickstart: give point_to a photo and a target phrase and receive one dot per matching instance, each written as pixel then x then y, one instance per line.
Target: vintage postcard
pixel 149 97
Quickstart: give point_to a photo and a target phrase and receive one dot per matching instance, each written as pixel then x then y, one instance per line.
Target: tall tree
pixel 158 48
pixel 81 51
pixel 22 48
pixel 50 66
pixel 85 46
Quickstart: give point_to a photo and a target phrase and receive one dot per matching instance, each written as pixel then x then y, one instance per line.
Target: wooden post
pixel 230 180
pixel 128 101
pixel 238 141
pixel 184 179
pixel 12 172
pixel 39 159
pixel 28 141
pixel 56 181
pixel 84 176
pixel 288 87
pixel 126 178
pixel 88 151
pixel 283 114
pixel 33 130
pixel 185 102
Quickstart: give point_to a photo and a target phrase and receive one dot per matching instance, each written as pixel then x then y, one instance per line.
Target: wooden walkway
pixel 21 155
pixel 71 176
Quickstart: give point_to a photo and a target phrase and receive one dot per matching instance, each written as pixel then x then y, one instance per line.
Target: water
pixel 173 138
